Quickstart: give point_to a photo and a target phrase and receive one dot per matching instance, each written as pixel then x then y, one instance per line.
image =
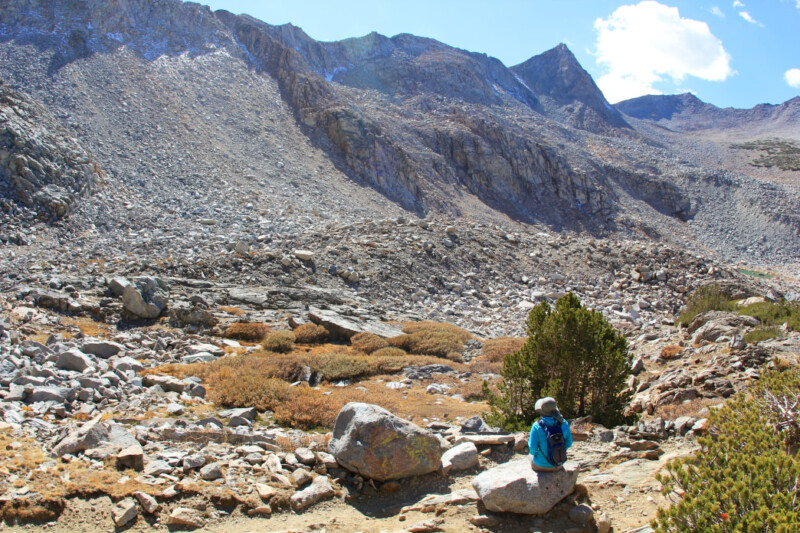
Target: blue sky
pixel 731 53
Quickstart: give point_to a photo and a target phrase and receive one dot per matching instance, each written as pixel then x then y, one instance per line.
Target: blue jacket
pixel 537 444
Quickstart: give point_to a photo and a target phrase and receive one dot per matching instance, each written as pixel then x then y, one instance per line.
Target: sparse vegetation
pixel 368 342
pixel 431 338
pixel 572 354
pixel 247 331
pixel 756 273
pixel 495 350
pixel 279 341
pixel 780 153
pixel 762 334
pixel 671 350
pixel 745 476
pixel 702 300
pixel 389 351
pixel 310 333
pixel 770 314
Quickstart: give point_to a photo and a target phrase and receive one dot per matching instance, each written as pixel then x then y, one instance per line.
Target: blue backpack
pixel 556 445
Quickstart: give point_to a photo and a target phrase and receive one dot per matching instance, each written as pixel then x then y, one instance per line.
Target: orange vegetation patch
pixel 247 331
pixel 310 334
pixel 495 350
pixel 431 338
pixel 235 311
pixel 87 326
pixel 670 351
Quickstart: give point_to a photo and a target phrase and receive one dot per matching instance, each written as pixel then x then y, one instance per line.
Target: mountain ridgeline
pixel 431 128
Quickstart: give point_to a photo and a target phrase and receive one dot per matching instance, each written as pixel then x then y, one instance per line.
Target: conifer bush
pixel 572 354
pixel 746 475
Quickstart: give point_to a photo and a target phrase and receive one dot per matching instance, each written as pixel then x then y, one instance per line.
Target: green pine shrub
pixel 746 475
pixel 762 334
pixel 572 354
pixel 702 300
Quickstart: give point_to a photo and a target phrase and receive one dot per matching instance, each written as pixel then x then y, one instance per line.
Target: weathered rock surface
pixel 374 443
pixel 515 487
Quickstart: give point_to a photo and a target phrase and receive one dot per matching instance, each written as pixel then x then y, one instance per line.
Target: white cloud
pixel 737 3
pixel 717 12
pixel 746 16
pixel 792 77
pixel 641 44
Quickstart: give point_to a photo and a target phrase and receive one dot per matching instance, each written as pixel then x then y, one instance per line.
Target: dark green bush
pixel 762 334
pixel 745 476
pixel 572 354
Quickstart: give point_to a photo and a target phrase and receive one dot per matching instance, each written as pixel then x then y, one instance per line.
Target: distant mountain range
pixel 430 127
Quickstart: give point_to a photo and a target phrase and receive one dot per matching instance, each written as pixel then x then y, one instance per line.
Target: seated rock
pixel 515 487
pixel 372 442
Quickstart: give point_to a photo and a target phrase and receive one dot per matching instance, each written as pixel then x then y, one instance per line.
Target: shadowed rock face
pixel 41 165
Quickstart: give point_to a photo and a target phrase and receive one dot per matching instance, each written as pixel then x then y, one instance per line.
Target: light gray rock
pixel 300 477
pixel 146 298
pixel 50 394
pixel 212 471
pixel 117 285
pixel 125 364
pixel 131 457
pixel 156 468
pixel 515 487
pixel 148 503
pixel 341 327
pixel 104 349
pixel 191 462
pixel 320 489
pixel 123 512
pixel 305 456
pixel 90 435
pixel 374 443
pixel 74 359
pixel 460 457
pixel 185 517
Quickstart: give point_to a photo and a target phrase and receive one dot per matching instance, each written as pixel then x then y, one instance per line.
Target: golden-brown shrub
pixel 279 341
pixel 368 342
pixel 310 333
pixel 495 350
pixel 389 351
pixel 670 351
pixel 244 389
pixel 309 409
pixel 247 331
pixel 431 338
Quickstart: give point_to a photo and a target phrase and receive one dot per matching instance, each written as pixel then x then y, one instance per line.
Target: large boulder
pixel 515 487
pixel 372 442
pixel 146 297
pixel 90 435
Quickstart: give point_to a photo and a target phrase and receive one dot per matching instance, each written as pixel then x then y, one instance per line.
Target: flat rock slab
pixel 632 473
pixel 459 497
pixel 343 327
pixel 485 440
pixel 516 488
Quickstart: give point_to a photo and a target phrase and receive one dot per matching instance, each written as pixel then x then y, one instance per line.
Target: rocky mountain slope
pixel 375 124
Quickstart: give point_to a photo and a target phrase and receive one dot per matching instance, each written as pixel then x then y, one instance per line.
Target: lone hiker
pixel 550 437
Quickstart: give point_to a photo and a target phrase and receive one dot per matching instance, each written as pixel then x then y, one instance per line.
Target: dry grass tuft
pixel 247 331
pixel 471 391
pixel 670 351
pixel 483 366
pixel 389 351
pixel 368 342
pixel 235 311
pixel 431 338
pixel 279 341
pixel 495 350
pixel 688 408
pixel 310 334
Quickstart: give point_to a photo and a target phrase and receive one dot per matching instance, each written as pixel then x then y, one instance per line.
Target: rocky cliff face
pixel 41 165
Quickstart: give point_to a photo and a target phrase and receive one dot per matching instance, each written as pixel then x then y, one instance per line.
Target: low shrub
pixel 231 388
pixel 744 477
pixel 247 331
pixel 671 350
pixel 762 334
pixel 471 391
pixel 337 366
pixel 389 351
pixel 495 350
pixel 309 409
pixel 702 300
pixel 431 338
pixel 368 342
pixel 310 333
pixel 279 341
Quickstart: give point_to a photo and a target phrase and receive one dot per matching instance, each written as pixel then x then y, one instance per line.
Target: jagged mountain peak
pixel 557 77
